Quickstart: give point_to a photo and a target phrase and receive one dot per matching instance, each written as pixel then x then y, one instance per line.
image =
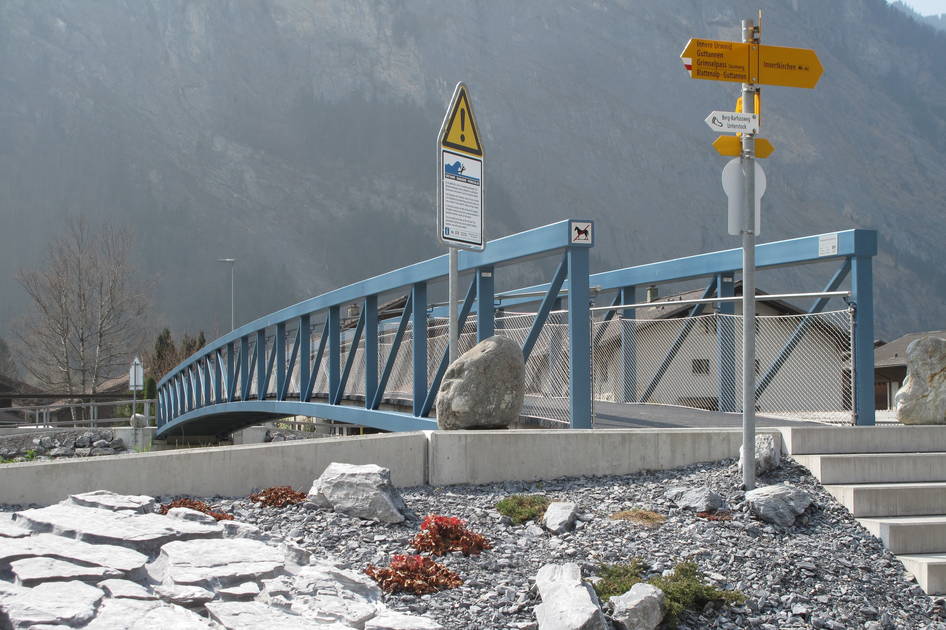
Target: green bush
pixel 523 507
pixel 683 589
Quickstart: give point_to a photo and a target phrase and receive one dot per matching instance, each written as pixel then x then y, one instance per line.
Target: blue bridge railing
pixel 269 368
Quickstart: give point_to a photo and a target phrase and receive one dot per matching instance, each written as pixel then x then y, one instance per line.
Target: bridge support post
pixel 725 345
pixel 862 294
pixel 628 358
pixel 305 359
pixel 485 310
pixel 419 346
pixel 280 358
pixel 579 338
pixel 244 366
pixel 334 350
pixel 371 348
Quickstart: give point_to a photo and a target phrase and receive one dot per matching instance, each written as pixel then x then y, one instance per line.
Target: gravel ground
pixel 825 572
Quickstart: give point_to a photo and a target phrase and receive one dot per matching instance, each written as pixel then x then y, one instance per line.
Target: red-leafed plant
pixel 278 496
pixel 194 504
pixel 414 574
pixel 442 534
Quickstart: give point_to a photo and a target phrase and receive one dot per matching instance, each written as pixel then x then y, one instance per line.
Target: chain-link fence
pixel 803 363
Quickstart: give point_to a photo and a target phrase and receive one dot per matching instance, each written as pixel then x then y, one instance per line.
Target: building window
pixel 701 366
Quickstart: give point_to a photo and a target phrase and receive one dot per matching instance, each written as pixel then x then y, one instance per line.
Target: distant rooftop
pixel 895 353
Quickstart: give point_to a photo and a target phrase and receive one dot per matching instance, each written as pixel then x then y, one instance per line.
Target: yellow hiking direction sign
pixel 716 60
pixel 460 132
pixel 732 146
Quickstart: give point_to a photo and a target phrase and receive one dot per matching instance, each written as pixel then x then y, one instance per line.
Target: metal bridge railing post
pixel 579 338
pixel 485 303
pixel 419 346
pixel 863 297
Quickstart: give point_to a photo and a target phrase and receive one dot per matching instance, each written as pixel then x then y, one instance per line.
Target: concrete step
pixel 909 534
pixel 929 570
pixel 876 467
pixel 879 439
pixel 891 499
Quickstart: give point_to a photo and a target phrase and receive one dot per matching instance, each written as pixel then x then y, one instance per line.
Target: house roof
pixel 895 353
pixel 664 308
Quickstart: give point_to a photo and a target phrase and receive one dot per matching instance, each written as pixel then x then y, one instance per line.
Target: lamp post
pixel 232 262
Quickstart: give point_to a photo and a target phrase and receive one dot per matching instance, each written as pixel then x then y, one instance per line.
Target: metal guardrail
pixel 76 415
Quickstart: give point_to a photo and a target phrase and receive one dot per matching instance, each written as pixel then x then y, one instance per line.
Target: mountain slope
pixel 298 136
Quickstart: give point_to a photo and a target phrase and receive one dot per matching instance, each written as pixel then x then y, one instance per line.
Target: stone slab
pixel 105 499
pixel 48 545
pixel 126 589
pixel 132 614
pixel 220 562
pixel 255 615
pixel 53 603
pixel 33 571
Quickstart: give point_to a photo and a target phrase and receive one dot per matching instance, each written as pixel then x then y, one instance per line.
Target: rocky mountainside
pixel 299 137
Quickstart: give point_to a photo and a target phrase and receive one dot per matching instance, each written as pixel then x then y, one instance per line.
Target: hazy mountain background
pixel 936 21
pixel 298 136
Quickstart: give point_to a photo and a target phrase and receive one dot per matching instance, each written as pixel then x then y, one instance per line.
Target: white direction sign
pixel 136 376
pixel 733 122
pixel 460 152
pixel 735 189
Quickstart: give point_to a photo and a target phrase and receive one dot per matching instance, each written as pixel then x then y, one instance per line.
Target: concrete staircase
pixel 893 480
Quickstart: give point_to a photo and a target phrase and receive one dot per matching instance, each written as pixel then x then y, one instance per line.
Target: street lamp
pixel 232 262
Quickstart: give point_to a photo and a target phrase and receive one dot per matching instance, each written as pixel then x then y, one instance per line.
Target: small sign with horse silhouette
pixel 581 233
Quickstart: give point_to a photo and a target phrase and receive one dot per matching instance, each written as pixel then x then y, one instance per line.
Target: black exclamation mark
pixel 462 124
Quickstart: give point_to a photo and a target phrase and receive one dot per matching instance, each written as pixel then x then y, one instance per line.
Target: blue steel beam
pixel 280 359
pixel 392 354
pixel 725 345
pixel 350 360
pixel 485 303
pixel 287 380
pixel 305 341
pixel 334 327
pixel 233 363
pixel 244 358
pixel 218 376
pixel 795 338
pixel 579 338
pixel 314 372
pixel 371 348
pixel 546 307
pixel 442 368
pixel 262 374
pixel 419 346
pixel 249 369
pixel 249 412
pixel 608 316
pixel 677 343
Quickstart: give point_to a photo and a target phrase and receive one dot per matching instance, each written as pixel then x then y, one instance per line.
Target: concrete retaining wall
pixel 486 456
pixel 222 471
pixel 439 458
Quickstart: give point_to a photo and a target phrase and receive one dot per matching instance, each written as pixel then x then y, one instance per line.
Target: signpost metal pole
pixel 453 296
pixel 748 280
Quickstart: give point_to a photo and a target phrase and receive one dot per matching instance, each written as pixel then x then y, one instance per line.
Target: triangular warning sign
pixel 459 131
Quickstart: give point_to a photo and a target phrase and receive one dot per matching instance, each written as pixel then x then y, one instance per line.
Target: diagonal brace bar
pixel 350 360
pixel 677 343
pixel 284 390
pixel 547 302
pixel 392 355
pixel 442 368
pixel 314 371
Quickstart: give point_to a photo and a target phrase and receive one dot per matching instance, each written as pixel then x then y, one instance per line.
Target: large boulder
pixel 641 608
pixel 362 491
pixel 697 499
pixel 560 516
pixel 778 504
pixel 568 603
pixel 768 453
pixel 484 387
pixel 922 399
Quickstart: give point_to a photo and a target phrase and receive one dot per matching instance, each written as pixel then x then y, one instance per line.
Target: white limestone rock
pixel 10 528
pixel 559 516
pixel 246 590
pixel 363 491
pixel 189 596
pixel 212 562
pixel 126 589
pixel 696 499
pixel 143 532
pixel 47 545
pixel 255 615
pixel 332 609
pixel 778 504
pixel 768 453
pixel 135 614
pixel 187 514
pixel 641 608
pixel 922 399
pixel 326 578
pixel 391 620
pixel 484 388
pixel 567 602
pixel 237 529
pixel 108 500
pixel 53 603
pixel 32 571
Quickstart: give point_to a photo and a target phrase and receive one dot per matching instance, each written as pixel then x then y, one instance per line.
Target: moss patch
pixel 647 518
pixel 523 507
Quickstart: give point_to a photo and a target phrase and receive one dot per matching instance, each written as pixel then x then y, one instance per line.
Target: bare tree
pixel 7 364
pixel 86 314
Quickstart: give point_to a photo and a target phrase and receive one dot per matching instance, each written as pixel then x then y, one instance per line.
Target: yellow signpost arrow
pixel 715 60
pixel 732 146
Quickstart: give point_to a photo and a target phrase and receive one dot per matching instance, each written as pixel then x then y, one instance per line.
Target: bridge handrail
pixel 506 250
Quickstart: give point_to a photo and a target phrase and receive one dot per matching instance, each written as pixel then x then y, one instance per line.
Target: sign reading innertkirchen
pixel 460 220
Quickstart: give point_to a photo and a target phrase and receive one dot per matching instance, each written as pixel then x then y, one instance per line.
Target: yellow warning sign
pixel 732 146
pixel 459 130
